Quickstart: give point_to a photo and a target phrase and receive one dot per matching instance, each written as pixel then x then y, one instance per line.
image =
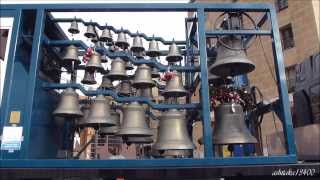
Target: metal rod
pixel 215 33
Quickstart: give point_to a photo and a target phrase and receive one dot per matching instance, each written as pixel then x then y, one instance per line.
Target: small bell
pixel 106 82
pixel 122 41
pixel 230 127
pixel 146 92
pixel 73 29
pixel 174 87
pixel 95 62
pixel 174 54
pixel 153 50
pixel 99 114
pixel 113 129
pixel 71 55
pixel 142 77
pixel 172 132
pixel 125 88
pixel 118 70
pixel 69 105
pixel 231 62
pixel 134 121
pixel 90 33
pixel 129 65
pixel 88 78
pixel 106 36
pixel 137 45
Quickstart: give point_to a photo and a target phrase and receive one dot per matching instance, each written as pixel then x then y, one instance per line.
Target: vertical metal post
pixel 33 71
pixel 205 104
pixel 4 110
pixel 187 60
pixel 282 87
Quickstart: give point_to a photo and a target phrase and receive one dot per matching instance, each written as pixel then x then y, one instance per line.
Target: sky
pixel 167 25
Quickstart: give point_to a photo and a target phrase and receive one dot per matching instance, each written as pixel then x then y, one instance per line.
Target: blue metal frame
pixel 200 9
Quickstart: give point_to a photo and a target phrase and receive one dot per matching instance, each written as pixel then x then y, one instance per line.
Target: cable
pixel 267 61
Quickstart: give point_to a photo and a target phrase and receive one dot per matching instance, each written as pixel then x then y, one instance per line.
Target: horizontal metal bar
pixel 125 55
pixel 160 39
pixel 117 98
pixel 215 33
pixel 134 7
pixel 146 163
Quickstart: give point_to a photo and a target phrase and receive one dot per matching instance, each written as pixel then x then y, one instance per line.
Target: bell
pixel 137 140
pixel 113 129
pixel 230 127
pixel 153 50
pixel 69 105
pixel 73 29
pixel 106 36
pixel 134 121
pixel 94 63
pixel 140 54
pixel 137 45
pixel 172 132
pixel 142 77
pixel 90 33
pixel 106 83
pixel 118 70
pixel 71 55
pixel 174 87
pixel 173 153
pixel 231 62
pixel 83 120
pixel 217 81
pixel 174 54
pixel 145 92
pixel 103 58
pixel 88 78
pixel 99 115
pixel 122 41
pixel 95 40
pixel 155 72
pixel 125 88
pixel 129 65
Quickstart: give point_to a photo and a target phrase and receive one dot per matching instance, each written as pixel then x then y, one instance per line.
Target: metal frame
pixel 209 159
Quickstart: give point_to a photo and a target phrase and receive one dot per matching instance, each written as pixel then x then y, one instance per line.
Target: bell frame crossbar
pixel 16 77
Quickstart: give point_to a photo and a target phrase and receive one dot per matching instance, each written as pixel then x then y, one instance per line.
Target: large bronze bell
pixel 174 54
pixel 113 129
pixel 134 121
pixel 69 105
pixel 122 41
pixel 73 29
pixel 106 83
pixel 142 77
pixel 231 62
pixel 153 50
pixel 125 88
pixel 95 62
pixel 118 70
pixel 88 78
pixel 83 120
pixel 106 36
pixel 172 132
pixel 71 55
pixel 90 33
pixel 99 115
pixel 145 92
pixel 174 87
pixel 137 45
pixel 129 65
pixel 230 127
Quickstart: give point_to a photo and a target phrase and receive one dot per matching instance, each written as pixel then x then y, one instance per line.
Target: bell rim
pixel 153 53
pixel 73 31
pixel 137 49
pixel 174 58
pixel 122 44
pixel 174 93
pixel 135 132
pixel 67 114
pixel 88 82
pixel 173 146
pixel 89 35
pixel 143 84
pixel 105 39
pixel 117 76
pixel 221 68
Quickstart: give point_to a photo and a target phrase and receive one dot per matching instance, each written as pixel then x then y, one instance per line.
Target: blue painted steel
pixel 33 72
pixel 146 163
pixel 17 77
pixel 117 98
pixel 282 86
pixel 205 102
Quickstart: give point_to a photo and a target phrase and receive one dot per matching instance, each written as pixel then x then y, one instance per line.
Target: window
pixel 281 4
pixel 291 78
pixel 287 37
